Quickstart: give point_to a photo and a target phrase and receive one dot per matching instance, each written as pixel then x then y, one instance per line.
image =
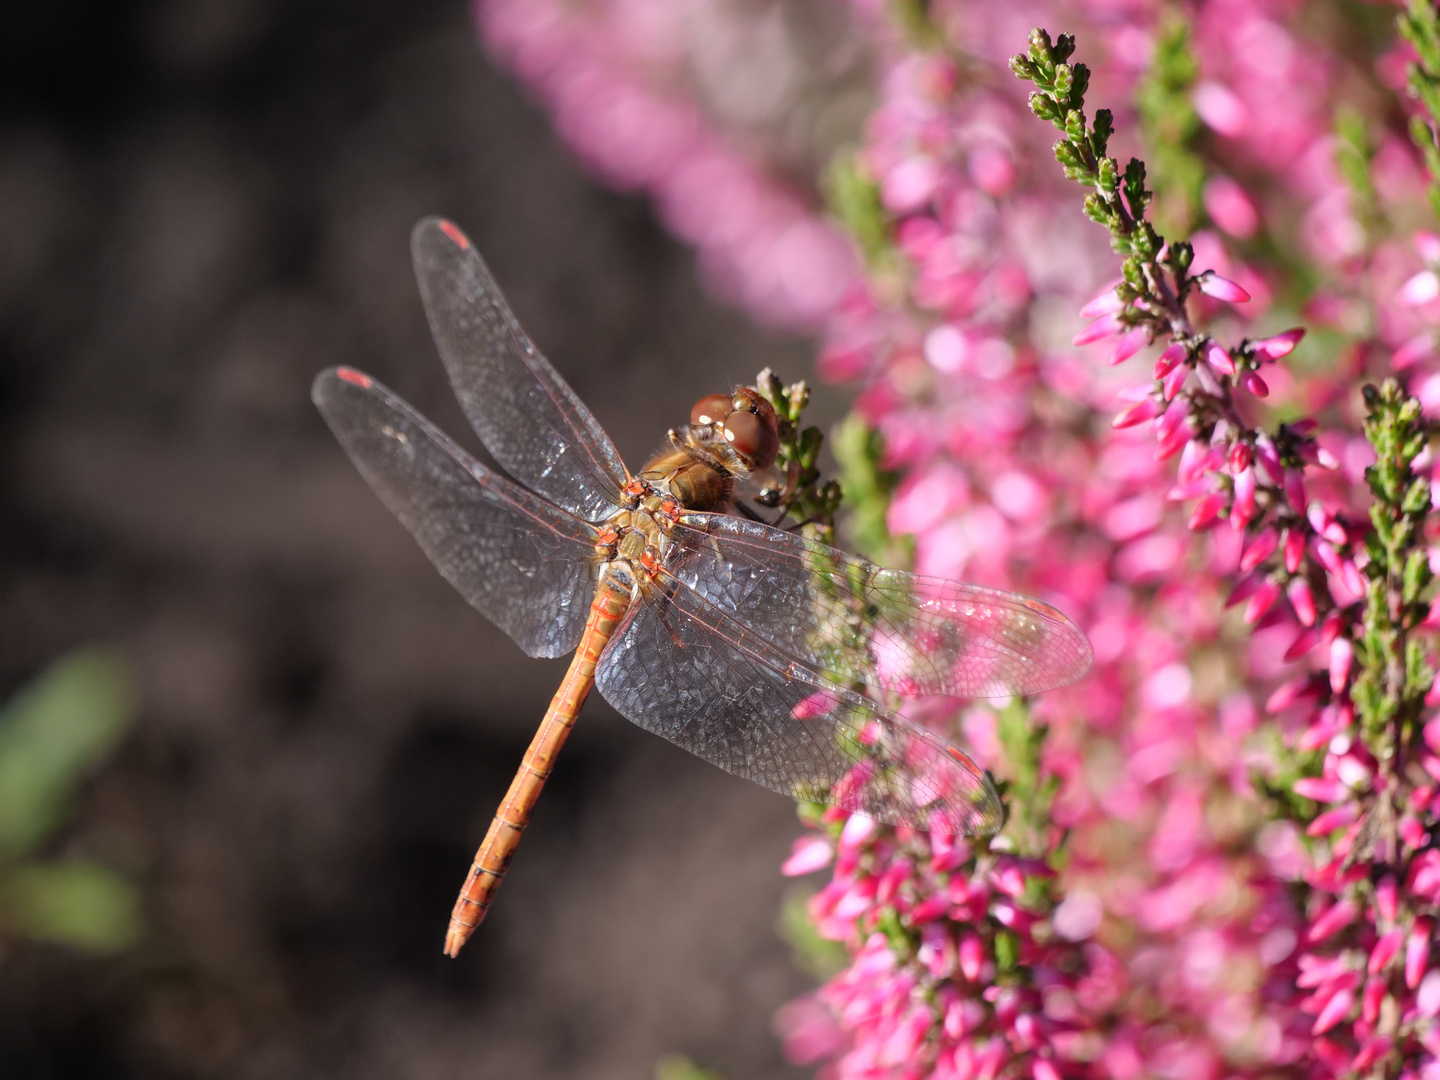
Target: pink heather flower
pixel 1219 359
pixel 1418 348
pixel 1107 326
pixel 1278 346
pixel 1255 384
pixel 1106 302
pixel 810 853
pixel 1421 288
pixel 1212 284
pixel 1131 342
pixel 1221 109
pixel 1230 208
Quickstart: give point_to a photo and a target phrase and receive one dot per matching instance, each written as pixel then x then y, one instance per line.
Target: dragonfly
pixel 759 650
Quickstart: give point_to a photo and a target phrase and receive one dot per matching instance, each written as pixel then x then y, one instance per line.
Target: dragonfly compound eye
pixel 711 409
pixel 753 439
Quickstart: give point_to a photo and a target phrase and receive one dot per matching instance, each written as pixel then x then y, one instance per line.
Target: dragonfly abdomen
pixel 492 860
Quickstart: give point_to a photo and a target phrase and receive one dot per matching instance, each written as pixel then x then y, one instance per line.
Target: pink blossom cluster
pixel 1209 868
pixel 620 77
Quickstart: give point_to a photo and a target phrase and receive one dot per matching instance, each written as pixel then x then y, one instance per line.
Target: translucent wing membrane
pixel 524 564
pixel 866 624
pixel 521 408
pixel 683 669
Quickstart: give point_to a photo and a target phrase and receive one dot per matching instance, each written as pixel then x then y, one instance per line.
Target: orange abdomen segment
pixel 503 836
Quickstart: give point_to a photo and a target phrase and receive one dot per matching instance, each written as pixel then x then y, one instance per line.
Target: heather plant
pixel 1218 856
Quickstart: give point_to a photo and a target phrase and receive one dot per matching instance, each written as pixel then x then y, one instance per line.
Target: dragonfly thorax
pixel 634 541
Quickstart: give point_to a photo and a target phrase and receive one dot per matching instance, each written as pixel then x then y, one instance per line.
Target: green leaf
pixel 51 735
pixel 74 902
pixel 679 1067
pixel 1007 951
pixel 818 957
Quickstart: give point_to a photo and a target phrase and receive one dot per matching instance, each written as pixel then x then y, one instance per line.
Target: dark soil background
pixel 203 203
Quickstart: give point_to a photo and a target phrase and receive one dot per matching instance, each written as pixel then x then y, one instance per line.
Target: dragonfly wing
pixel 523 411
pixel 683 669
pixel 524 564
pixel 868 624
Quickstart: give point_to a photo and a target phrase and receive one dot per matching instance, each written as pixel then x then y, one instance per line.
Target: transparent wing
pixel 685 670
pixel 524 564
pixel 521 408
pixel 867 624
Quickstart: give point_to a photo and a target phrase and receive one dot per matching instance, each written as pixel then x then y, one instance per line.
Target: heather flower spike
pixel 1283 755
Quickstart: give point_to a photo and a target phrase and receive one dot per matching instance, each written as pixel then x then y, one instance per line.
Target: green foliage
pixel 1394 676
pixel 818 957
pixel 1354 153
pixel 679 1067
pixel 804 498
pixel 868 488
pixel 52 735
pixel 1171 124
pixel 71 902
pixel 1118 199
pixel 1419 24
pixel 854 200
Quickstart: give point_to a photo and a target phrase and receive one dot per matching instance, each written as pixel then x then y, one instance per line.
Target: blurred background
pixel 239 808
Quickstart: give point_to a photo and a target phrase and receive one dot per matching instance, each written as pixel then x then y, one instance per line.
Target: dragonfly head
pixel 746 421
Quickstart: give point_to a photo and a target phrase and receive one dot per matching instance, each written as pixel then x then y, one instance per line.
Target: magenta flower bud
pixel 1129 344
pixel 1171 384
pixel 1338 916
pixel 1107 327
pixel 1259 549
pixel 1171 444
pixel 1219 359
pixel 1330 628
pixel 1384 951
pixel 1289 693
pixel 809 853
pixel 1421 288
pixel 1320 789
pixel 1427 998
pixel 1335 1010
pixel 1280 345
pixel 1255 384
pixel 1244 507
pixel 1171 421
pixel 1137 413
pixel 1304 641
pixel 1221 288
pixel 1244 589
pixel 1294 543
pixel 1198 461
pixel 1295 489
pixel 972 956
pixel 1420 347
pixel 1269 460
pixel 1103 303
pixel 1387 899
pixel 1206 514
pixel 1413 833
pixel 1370 999
pixel 1169 359
pixel 1239 457
pixel 1417 951
pixel 1262 601
pixel 1341 655
pixel 1331 820
pixel 1351 576
pixel 1303 601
